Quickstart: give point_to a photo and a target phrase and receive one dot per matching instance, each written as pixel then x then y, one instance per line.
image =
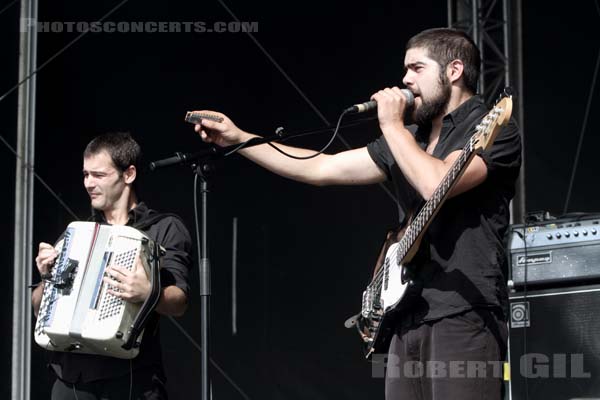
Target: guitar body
pixel 384 301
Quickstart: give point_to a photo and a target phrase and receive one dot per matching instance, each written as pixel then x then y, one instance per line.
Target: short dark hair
pixel 122 148
pixel 445 45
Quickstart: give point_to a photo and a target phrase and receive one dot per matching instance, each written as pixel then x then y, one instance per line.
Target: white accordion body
pixel 77 314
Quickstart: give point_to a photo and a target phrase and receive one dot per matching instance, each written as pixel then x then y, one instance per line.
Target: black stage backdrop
pixel 305 253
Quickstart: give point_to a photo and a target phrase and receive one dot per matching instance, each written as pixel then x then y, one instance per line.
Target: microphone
pixel 371 105
pixel 178 158
pixel 182 159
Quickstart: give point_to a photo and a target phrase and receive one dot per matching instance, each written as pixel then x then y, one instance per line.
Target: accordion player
pixel 77 312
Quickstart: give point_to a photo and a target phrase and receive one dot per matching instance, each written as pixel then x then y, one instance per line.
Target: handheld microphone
pixel 371 105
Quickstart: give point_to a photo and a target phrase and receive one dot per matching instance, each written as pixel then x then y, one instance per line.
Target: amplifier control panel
pixel 552 233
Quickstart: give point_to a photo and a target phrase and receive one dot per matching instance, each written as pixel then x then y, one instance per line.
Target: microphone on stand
pixel 371 105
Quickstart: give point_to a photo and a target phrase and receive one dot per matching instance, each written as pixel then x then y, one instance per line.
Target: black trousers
pixel 458 357
pixel 141 385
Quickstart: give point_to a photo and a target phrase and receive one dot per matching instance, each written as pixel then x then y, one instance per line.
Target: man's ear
pixel 454 70
pixel 130 174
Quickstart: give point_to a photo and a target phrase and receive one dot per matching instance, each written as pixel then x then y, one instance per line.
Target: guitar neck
pixel 419 224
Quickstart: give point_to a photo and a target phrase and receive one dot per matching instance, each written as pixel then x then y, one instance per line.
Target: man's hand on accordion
pixel 45 259
pixel 132 286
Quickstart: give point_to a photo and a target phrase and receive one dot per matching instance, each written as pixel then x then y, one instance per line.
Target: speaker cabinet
pixel 554 344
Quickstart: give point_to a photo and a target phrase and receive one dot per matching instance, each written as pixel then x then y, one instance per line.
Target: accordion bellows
pixel 77 313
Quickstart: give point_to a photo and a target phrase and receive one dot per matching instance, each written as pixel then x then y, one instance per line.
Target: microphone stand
pixel 201 165
pixel 201 170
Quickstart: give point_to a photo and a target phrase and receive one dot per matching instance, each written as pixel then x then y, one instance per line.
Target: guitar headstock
pixel 490 125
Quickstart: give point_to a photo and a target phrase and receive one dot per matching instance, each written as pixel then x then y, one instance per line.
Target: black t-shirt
pixel 462 257
pixel 170 232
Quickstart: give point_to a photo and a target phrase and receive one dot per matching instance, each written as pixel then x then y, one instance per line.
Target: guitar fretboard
pixel 430 208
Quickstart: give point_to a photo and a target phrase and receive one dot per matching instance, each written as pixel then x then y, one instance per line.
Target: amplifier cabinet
pixel 554 344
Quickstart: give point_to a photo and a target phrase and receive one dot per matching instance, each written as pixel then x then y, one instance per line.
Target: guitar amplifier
pixel 554 252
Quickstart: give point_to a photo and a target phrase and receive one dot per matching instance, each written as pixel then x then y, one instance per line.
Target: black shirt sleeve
pixel 176 263
pixel 381 155
pixel 380 152
pixel 503 158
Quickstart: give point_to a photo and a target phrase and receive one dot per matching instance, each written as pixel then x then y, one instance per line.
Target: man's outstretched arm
pixel 352 167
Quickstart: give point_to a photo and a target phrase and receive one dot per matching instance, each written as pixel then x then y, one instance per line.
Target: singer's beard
pixel 436 106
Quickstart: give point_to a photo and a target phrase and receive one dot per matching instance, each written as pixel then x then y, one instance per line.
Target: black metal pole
pixel 205 291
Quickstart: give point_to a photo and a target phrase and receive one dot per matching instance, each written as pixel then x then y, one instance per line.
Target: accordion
pixel 77 313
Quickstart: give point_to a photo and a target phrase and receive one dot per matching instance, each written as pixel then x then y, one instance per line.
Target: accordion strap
pixel 150 303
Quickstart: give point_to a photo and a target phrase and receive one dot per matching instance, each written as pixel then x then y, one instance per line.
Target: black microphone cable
pixel 307 133
pixel 333 136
